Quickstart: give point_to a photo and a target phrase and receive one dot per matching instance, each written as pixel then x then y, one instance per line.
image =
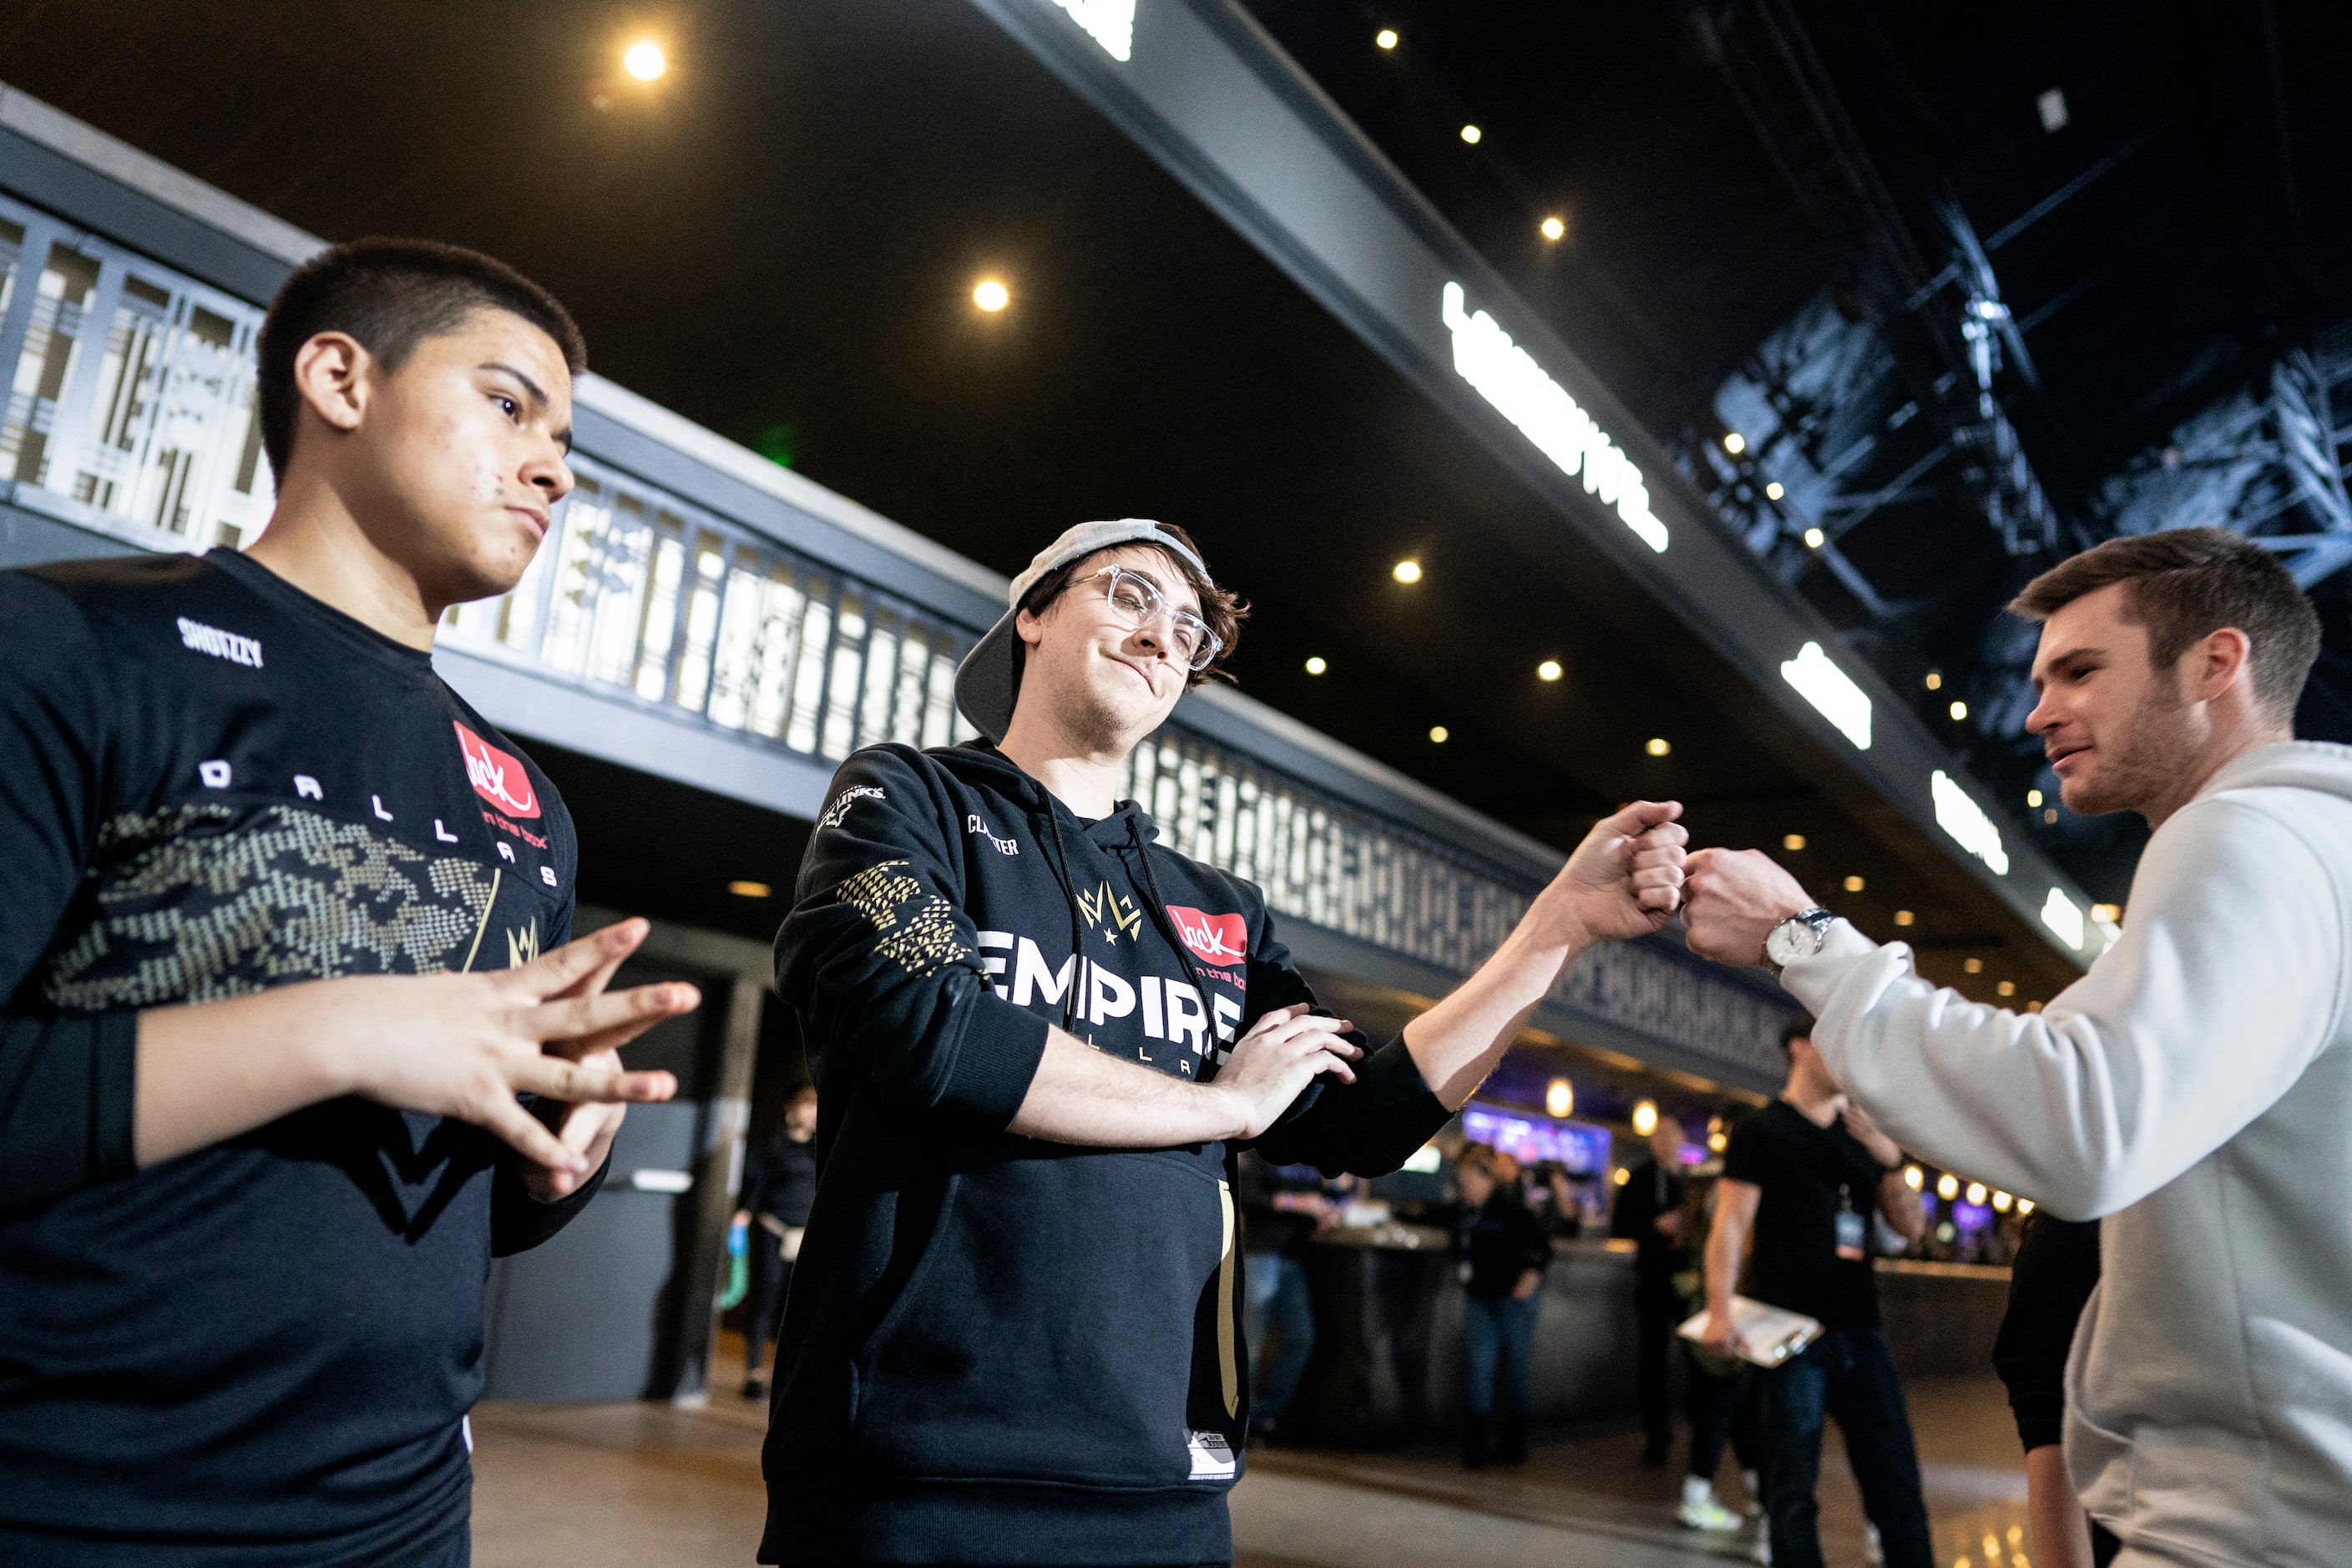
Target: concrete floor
pixel 572 1485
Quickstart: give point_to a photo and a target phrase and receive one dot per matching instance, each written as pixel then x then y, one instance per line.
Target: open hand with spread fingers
pixel 1733 899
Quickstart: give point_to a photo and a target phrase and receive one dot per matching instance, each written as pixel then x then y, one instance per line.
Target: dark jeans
pixel 772 1277
pixel 1278 1302
pixel 1848 1374
pixel 1722 1410
pixel 1500 1331
pixel 1657 1310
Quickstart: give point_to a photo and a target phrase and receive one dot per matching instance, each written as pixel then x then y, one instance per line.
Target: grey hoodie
pixel 2194 1090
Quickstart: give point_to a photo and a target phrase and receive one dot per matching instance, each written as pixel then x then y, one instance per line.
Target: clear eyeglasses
pixel 1136 601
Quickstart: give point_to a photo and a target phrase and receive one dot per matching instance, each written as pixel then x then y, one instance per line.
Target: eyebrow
pixel 536 393
pixel 1152 578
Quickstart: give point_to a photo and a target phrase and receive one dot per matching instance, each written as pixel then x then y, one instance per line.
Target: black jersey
pixel 262 1351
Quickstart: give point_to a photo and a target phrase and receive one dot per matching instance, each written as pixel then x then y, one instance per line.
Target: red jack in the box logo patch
pixel 1213 939
pixel 496 777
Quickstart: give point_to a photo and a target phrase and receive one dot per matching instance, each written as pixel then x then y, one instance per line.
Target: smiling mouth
pixel 2057 757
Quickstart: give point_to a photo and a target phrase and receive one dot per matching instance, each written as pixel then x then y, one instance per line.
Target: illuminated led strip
pixel 1830 689
pixel 1110 23
pixel 2065 921
pixel 1966 821
pixel 1507 377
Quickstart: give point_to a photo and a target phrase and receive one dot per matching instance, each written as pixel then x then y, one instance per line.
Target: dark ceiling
pixel 779 239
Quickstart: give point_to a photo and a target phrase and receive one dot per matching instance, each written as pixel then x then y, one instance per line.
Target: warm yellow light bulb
pixel 990 295
pixel 1905 917
pixel 1949 1188
pixel 1315 665
pixel 1471 134
pixel 1386 37
pixel 1548 670
pixel 1960 709
pixel 1646 1117
pixel 1406 571
pixel 644 60
pixel 1439 733
pixel 1792 841
pixel 1656 746
pixel 1815 539
pixel 1560 1097
pixel 1772 492
pixel 1553 229
pixel 1734 442
pixel 1935 681
pixel 1914 1177
pixel 1854 884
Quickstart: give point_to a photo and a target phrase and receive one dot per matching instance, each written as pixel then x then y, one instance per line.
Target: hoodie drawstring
pixel 1165 922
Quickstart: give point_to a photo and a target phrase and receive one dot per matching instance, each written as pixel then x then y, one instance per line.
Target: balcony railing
pixel 131 410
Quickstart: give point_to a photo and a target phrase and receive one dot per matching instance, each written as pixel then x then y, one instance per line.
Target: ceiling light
pixel 1831 691
pixel 1854 884
pixel 2064 919
pixel 750 890
pixel 2052 107
pixel 1315 665
pixel 1958 814
pixel 1772 490
pixel 1548 670
pixel 2033 1007
pixel 1552 229
pixel 1406 571
pixel 1935 681
pixel 2025 1206
pixel 2002 1201
pixel 1646 1117
pixel 1792 841
pixel 1973 965
pixel 1734 442
pixel 2007 988
pixel 1386 37
pixel 1438 732
pixel 1815 539
pixel 1110 23
pixel 1949 1188
pixel 1904 918
pixel 2033 797
pixel 2051 815
pixel 1976 1194
pixel 1621 1177
pixel 1560 1097
pixel 1471 134
pixel 990 295
pixel 643 61
pixel 1960 709
pixel 2111 913
pixel 1656 746
pixel 1914 1177
pixel 1718 1141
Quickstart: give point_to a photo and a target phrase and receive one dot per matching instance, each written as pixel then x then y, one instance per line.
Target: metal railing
pixel 131 408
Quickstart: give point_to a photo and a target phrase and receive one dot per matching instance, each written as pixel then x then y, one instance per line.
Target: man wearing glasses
pixel 1038 1038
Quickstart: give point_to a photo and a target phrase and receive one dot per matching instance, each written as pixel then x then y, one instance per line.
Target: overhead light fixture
pixel 2002 1203
pixel 1973 965
pixel 2052 108
pixel 2025 1206
pixel 2050 815
pixel 1110 23
pixel 1406 571
pixel 2033 797
pixel 1935 680
pixel 1621 1175
pixel 1914 1177
pixel 1815 539
pixel 1646 1117
pixel 1386 37
pixel 1949 1187
pixel 1718 1141
pixel 1472 134
pixel 1559 1098
pixel 1439 733
pixel 1656 746
pixel 1315 665
pixel 1548 670
pixel 1734 442
pixel 1507 378
pixel 1831 691
pixel 1854 884
pixel 990 295
pixel 644 60
pixel 1961 817
pixel 1976 1194
pixel 750 890
pixel 1552 229
pixel 2111 913
pixel 1904 918
pixel 1792 841
pixel 2064 918
pixel 1772 492
pixel 1960 709
pixel 2006 988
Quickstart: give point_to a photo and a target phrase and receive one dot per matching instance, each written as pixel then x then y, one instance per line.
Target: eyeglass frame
pixel 1210 644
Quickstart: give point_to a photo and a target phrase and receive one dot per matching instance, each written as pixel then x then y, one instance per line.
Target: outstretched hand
pixel 1736 898
pixel 1625 880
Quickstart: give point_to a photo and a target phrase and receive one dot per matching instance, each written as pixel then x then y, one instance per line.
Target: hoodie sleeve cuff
pixel 995 1060
pixel 68 1088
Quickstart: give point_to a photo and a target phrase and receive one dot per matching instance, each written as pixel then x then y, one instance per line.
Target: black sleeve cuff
pixel 1370 1127
pixel 996 1057
pixel 518 1220
pixel 66 1104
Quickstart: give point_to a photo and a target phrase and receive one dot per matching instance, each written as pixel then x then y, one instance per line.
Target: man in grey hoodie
pixel 2193 1090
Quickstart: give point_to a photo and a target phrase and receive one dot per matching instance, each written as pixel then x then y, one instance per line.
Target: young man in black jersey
pixel 1015 1333
pixel 1806 1174
pixel 242 1244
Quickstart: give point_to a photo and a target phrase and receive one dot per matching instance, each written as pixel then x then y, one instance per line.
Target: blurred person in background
pixel 1502 1248
pixel 1649 1214
pixel 1804 1175
pixel 1282 1207
pixel 1721 1400
pixel 779 1185
pixel 2048 1285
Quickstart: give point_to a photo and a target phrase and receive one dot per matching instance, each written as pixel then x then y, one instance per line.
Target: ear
pixel 332 375
pixel 2217 661
pixel 1030 627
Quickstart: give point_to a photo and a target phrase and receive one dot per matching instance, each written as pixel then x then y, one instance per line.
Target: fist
pixel 1624 880
pixel 1732 898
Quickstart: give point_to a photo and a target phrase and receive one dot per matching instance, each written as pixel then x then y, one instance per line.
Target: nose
pixel 2045 717
pixel 549 474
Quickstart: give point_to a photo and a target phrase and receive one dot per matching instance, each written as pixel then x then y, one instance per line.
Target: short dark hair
pixel 390 295
pixel 1800 1027
pixel 2189 582
pixel 1223 609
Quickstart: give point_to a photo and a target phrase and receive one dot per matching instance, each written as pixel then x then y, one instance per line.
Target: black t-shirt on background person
pixel 1649 1190
pixel 1801 1169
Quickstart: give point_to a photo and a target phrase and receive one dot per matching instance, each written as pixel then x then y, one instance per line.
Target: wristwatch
pixel 1799 936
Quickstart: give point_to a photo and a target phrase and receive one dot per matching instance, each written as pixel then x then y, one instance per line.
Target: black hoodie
pixel 1004 1349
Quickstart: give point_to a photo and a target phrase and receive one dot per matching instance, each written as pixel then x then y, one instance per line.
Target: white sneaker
pixel 1871 1552
pixel 1762 1551
pixel 1700 1510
